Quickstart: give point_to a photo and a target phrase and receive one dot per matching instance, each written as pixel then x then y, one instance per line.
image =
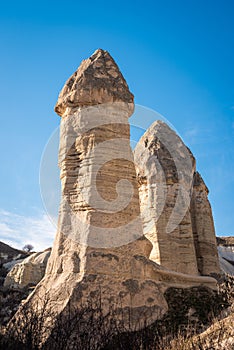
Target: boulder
pixel 203 228
pixel 27 272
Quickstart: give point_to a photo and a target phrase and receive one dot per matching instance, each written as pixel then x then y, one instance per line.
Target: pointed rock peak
pixel 158 132
pixel 160 125
pixel 161 136
pixel 97 80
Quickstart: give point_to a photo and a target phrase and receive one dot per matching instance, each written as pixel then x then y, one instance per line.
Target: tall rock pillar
pixel 100 250
pixel 165 170
pixel 176 212
pixel 203 228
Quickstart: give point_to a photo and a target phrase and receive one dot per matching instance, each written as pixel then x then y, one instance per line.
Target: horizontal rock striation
pixel 100 252
pixel 176 212
pixel 165 170
pixel 203 228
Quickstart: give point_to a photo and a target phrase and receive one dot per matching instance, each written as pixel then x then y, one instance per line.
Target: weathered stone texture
pixel 28 272
pixel 203 228
pixel 100 250
pixel 100 243
pixel 176 212
pixel 165 168
pixel 97 80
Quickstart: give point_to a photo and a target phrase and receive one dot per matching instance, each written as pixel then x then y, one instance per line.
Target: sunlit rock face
pixel 100 243
pixel 100 236
pixel 176 212
pixel 203 228
pixel 27 272
pixel 165 170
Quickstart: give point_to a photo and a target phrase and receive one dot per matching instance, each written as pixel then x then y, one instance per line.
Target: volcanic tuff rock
pixel 100 250
pixel 180 228
pixel 203 228
pixel 97 80
pixel 165 168
pixel 28 272
pixel 100 242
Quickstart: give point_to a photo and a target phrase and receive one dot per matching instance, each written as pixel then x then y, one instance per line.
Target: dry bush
pixel 87 328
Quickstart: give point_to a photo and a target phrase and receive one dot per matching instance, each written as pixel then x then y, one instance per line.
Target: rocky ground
pixel 20 271
pixel 211 315
pixel 197 319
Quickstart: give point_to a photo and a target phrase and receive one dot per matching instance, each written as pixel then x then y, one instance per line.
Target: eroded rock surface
pixel 175 208
pixel 100 251
pixel 27 272
pixel 98 80
pixel 165 170
pixel 100 244
pixel 203 228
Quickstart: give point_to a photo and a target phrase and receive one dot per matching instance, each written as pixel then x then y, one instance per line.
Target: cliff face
pixel 100 251
pixel 176 213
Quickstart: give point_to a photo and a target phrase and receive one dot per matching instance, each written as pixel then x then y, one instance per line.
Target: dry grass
pixel 89 329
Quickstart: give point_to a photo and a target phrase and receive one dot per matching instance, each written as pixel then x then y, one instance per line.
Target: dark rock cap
pixel 97 80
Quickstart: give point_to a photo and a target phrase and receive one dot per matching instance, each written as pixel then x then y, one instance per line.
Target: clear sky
pixel 177 57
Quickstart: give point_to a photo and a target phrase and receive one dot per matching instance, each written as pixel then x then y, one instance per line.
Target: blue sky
pixel 177 57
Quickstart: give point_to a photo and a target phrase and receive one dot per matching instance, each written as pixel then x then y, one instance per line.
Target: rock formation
pixel 203 228
pixel 28 272
pixel 176 213
pixel 100 242
pixel 100 250
pixel 165 168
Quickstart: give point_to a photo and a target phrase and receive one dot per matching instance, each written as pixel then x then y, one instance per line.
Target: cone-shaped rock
pixel 100 236
pixel 165 171
pixel 100 252
pixel 180 229
pixel 97 80
pixel 203 228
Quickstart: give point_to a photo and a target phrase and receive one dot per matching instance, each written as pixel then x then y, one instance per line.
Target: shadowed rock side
pixel 171 192
pixel 100 250
pixel 203 228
